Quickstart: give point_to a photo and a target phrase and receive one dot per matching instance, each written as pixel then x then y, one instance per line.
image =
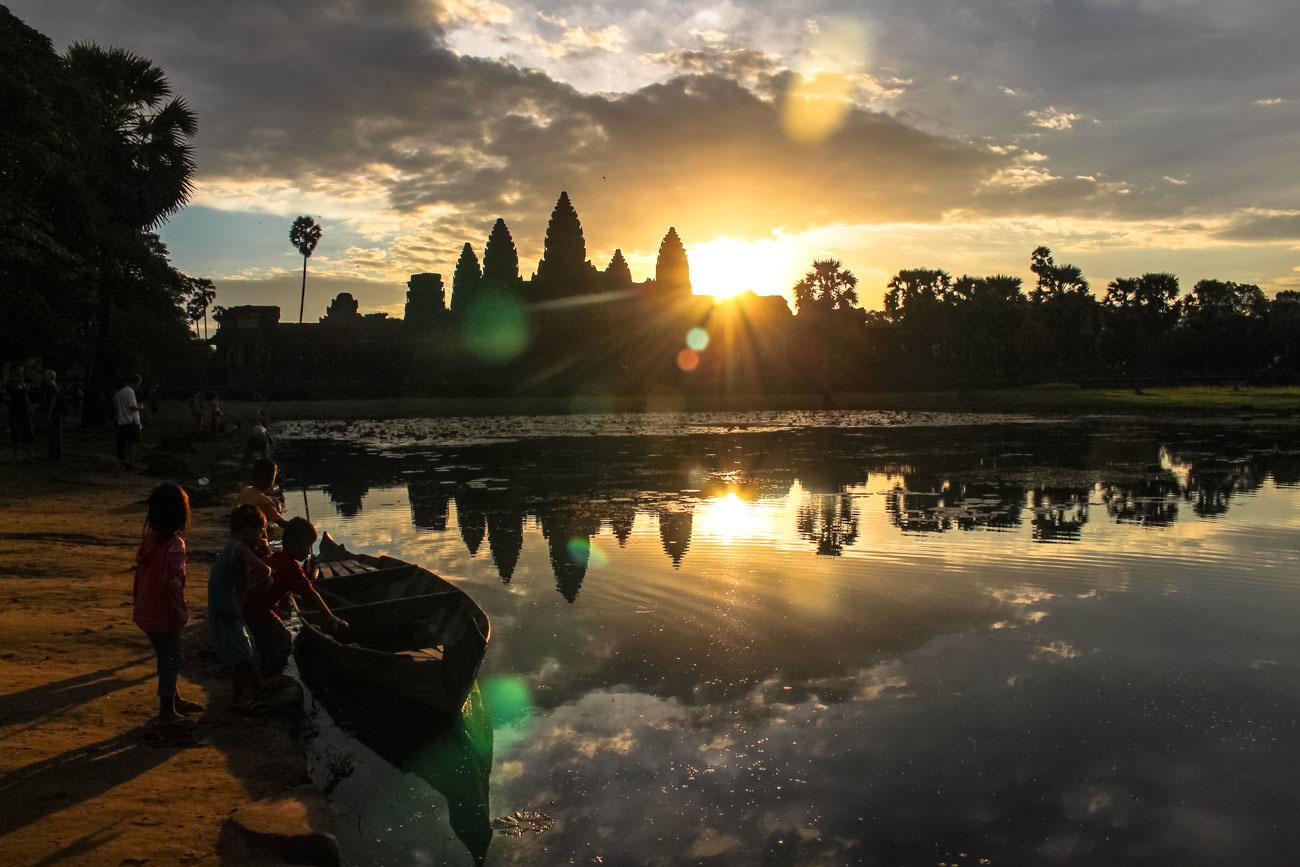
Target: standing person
pixel 271 639
pixel 159 593
pixel 20 417
pixel 258 445
pixel 55 405
pixel 234 570
pixel 218 425
pixel 126 416
pixel 196 410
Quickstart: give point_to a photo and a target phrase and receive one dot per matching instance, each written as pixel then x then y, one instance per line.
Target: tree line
pixel 95 153
pixel 936 328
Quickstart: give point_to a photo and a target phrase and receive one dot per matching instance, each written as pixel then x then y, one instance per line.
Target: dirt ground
pixel 82 778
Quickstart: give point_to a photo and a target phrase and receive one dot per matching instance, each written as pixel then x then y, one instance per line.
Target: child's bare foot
pixel 186 707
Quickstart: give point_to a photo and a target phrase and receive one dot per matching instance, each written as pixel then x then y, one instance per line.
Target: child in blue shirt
pixel 234 569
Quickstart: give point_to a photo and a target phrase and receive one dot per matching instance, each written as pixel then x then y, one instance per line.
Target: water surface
pixel 837 641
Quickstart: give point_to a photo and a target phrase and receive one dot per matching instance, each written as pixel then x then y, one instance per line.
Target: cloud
pixel 1177 182
pixel 1053 118
pixel 757 70
pixel 380 115
pixel 1272 101
pixel 575 41
pixel 480 13
pixel 1262 227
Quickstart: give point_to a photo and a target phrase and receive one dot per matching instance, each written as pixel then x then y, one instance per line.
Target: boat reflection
pixel 455 760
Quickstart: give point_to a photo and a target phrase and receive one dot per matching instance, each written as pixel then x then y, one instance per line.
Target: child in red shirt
pixel 270 637
pixel 159 593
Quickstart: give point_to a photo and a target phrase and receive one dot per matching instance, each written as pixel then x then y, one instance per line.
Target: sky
pixel 1127 135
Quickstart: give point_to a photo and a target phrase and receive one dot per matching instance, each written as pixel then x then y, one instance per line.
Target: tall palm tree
pixel 304 234
pixel 141 136
pixel 149 158
pixel 201 294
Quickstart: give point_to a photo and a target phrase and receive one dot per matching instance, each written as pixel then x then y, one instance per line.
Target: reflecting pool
pixel 824 640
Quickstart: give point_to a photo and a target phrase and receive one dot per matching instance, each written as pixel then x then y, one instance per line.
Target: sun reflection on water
pixel 729 518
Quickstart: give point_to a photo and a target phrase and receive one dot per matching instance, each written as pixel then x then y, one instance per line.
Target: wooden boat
pixel 414 640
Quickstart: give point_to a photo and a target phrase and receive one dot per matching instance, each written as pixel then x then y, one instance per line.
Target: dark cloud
pixel 1272 227
pixel 367 91
pixel 337 92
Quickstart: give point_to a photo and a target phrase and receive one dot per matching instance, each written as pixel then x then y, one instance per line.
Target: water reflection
pixel 727 490
pixel 1054 644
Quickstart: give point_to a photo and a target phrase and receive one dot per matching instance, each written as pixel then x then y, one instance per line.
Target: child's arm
pixel 325 609
pixel 257 569
pixel 175 572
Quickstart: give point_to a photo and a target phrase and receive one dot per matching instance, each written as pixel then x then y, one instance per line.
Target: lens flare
pixel 697 339
pixel 828 71
pixel 508 699
pixel 494 326
pixel 582 550
pixel 688 360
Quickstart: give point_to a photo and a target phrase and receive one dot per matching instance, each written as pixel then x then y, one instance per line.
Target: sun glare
pixel 724 267
pixel 729 518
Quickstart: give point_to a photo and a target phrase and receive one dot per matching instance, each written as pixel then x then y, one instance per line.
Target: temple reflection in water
pixel 811 487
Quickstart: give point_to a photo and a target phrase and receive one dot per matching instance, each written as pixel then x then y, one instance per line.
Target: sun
pixel 725 266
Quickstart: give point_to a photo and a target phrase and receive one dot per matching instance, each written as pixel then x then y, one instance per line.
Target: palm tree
pixel 828 286
pixel 149 158
pixel 141 138
pixel 201 294
pixel 304 234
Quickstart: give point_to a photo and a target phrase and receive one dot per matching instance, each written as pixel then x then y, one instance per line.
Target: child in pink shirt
pixel 159 592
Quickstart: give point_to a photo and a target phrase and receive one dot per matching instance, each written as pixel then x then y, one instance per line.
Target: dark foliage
pixel 95 152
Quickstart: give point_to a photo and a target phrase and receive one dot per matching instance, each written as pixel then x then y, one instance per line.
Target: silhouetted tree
pixel 304 234
pixel 1064 317
pixel 984 325
pixel 563 269
pixel 500 259
pixel 914 289
pixel 464 283
pixel 1223 327
pixel 828 286
pixel 143 169
pixel 672 270
pixel 1139 312
pixel 200 293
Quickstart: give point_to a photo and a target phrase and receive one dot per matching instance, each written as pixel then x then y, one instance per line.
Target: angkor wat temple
pixel 569 326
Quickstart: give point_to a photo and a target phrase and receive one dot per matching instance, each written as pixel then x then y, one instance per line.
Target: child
pixel 159 593
pixel 234 570
pixel 270 637
pixel 260 494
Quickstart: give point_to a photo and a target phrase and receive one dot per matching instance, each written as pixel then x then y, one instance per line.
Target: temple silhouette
pixel 493 331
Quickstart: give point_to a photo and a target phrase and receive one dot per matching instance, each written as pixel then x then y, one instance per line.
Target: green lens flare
pixel 584 551
pixel 697 338
pixel 494 327
pixel 508 699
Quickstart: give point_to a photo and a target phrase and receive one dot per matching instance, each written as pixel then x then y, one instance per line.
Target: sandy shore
pixel 81 778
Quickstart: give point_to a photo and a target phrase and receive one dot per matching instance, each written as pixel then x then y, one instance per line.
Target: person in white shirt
pixel 126 416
